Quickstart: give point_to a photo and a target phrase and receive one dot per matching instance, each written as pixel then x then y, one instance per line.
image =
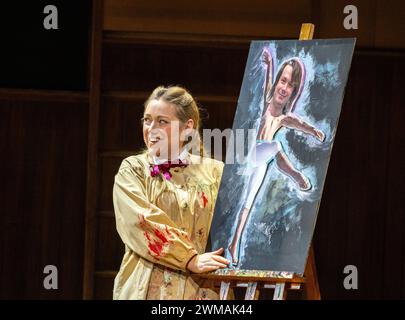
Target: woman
pixel 279 100
pixel 163 201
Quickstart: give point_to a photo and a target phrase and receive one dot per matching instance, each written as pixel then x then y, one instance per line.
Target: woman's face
pixel 162 130
pixel 284 87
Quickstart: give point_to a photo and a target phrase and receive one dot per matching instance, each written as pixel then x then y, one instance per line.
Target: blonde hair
pixel 185 104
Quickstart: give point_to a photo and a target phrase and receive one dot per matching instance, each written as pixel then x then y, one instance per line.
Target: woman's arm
pixel 145 228
pixel 268 60
pixel 293 122
pixel 213 260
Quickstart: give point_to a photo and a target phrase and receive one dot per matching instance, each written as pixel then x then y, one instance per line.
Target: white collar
pixel 182 156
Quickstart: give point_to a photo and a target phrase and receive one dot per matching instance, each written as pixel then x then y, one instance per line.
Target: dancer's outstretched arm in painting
pixel 294 122
pixel 268 82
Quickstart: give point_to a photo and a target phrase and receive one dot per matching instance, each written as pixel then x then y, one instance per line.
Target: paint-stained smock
pixel 163 224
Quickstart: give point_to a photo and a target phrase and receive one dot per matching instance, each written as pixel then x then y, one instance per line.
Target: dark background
pixel 33 57
pixel 70 101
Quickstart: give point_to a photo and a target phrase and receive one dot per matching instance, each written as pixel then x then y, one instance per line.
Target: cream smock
pixel 163 224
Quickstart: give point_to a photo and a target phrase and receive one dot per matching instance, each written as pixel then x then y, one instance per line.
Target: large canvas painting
pixel 287 116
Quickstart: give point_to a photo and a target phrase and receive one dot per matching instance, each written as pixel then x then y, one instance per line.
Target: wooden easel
pixel 255 280
pixel 279 281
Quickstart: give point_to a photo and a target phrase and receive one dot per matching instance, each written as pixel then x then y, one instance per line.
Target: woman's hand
pixel 208 261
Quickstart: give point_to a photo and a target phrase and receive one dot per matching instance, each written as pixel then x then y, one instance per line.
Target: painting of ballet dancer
pixel 271 187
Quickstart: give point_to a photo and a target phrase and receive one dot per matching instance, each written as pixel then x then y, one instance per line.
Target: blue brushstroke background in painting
pixel 281 223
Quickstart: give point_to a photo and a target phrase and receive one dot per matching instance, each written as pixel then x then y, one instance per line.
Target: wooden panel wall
pixel 380 22
pixel 43 156
pixel 43 144
pixel 361 220
pixel 225 17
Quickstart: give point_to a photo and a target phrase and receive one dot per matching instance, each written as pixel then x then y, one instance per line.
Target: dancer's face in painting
pixel 284 87
pixel 162 128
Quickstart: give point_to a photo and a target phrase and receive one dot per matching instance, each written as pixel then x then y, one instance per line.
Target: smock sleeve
pixel 218 170
pixel 145 228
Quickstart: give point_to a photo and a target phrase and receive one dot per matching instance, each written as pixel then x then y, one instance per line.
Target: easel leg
pixel 252 293
pixel 224 290
pixel 279 291
pixel 311 285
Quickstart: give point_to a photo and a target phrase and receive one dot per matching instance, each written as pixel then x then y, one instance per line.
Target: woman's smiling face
pixel 162 129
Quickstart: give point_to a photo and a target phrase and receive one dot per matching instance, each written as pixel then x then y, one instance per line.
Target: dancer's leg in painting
pixel 264 153
pixel 288 169
pixel 255 182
